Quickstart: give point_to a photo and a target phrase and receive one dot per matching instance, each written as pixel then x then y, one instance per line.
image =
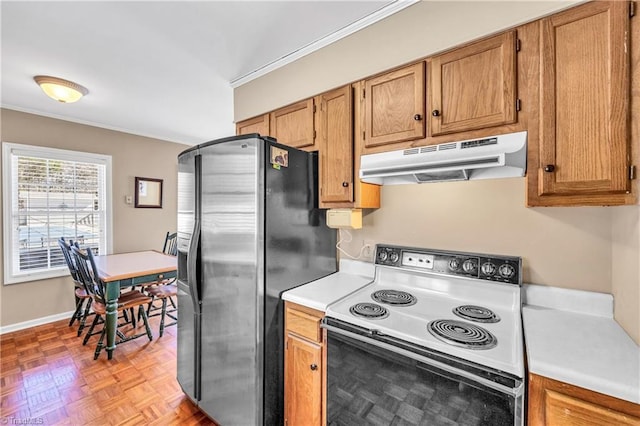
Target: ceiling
pixel 162 69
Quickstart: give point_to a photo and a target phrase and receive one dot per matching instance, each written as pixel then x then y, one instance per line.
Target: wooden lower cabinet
pixel 556 403
pixel 304 367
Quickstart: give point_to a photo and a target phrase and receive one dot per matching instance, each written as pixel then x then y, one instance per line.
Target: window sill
pixel 36 276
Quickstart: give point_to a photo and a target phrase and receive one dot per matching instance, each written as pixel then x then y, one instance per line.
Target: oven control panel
pixel 505 269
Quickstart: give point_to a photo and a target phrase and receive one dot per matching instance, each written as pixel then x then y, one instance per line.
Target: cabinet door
pixel 556 403
pixel 335 134
pixel 473 87
pixel 394 106
pixel 294 125
pixel 585 101
pixel 254 125
pixel 303 382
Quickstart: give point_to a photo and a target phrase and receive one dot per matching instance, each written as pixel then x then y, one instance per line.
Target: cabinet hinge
pixel 314 135
pixel 632 172
pixel 632 9
pixel 314 109
pixel 518 106
pixel 363 133
pixel 517 45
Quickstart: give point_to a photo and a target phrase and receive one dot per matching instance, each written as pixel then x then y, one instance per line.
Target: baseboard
pixel 35 322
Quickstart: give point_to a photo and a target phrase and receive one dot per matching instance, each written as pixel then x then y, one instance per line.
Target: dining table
pixel 128 270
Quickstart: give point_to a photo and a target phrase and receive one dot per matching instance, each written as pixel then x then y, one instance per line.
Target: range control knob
pixel 382 256
pixel 454 264
pixel 394 256
pixel 469 265
pixel 506 271
pixel 488 268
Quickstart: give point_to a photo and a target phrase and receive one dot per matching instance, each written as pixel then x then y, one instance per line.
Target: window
pixel 52 193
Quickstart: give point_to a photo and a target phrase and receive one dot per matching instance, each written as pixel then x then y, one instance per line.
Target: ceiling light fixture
pixel 61 90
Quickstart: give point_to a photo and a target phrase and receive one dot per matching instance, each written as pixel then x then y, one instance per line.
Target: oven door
pixel 377 379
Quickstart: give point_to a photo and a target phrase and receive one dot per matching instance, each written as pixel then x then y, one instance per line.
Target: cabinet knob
pixel 417 117
pixel 345 184
pixel 435 113
pixel 549 168
pixel 313 367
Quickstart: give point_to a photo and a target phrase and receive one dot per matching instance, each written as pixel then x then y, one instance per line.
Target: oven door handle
pixel 516 391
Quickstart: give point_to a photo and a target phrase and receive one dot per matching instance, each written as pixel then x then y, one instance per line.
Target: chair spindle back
pixel 88 272
pixel 171 244
pixel 66 252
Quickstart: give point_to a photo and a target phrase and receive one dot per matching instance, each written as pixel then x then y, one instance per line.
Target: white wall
pixel 134 229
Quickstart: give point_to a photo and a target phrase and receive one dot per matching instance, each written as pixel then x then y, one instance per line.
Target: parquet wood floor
pixel 47 377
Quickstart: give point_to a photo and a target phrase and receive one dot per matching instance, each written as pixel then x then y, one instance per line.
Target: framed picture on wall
pixel 148 193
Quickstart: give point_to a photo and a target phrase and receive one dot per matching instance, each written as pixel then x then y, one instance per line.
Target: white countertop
pixel 320 293
pixel 571 337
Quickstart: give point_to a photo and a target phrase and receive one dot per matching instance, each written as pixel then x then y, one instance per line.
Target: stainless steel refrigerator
pixel 249 228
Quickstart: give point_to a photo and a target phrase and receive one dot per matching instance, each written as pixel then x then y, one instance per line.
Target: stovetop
pixel 413 302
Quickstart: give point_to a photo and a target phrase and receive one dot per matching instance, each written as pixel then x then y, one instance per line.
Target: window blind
pixel 53 198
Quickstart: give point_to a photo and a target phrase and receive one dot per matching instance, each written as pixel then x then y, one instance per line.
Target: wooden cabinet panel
pixel 294 125
pixel 584 121
pixel 303 366
pixel 335 134
pixel 367 196
pixel 303 382
pixel 339 152
pixel 555 403
pixel 254 125
pixel 473 87
pixel 394 106
pixel 303 324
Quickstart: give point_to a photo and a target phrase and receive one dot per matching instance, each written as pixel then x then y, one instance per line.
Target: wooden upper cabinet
pixel 254 125
pixel 293 125
pixel 473 87
pixel 584 120
pixel 335 134
pixel 394 106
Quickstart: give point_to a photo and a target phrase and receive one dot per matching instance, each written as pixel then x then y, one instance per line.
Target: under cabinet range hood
pixel 485 158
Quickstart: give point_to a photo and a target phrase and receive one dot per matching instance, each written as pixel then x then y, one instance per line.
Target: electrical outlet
pixel 368 248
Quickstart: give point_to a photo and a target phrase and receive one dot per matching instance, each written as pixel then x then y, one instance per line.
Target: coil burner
pixel 394 297
pixel 369 310
pixel 462 334
pixel 476 313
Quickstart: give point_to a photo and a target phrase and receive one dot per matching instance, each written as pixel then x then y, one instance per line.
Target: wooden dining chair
pixel 82 297
pixel 171 244
pixel 126 302
pixel 166 290
pixel 163 293
pixel 170 247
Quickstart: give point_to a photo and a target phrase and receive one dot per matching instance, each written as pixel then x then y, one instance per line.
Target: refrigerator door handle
pixel 193 257
pixel 192 266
